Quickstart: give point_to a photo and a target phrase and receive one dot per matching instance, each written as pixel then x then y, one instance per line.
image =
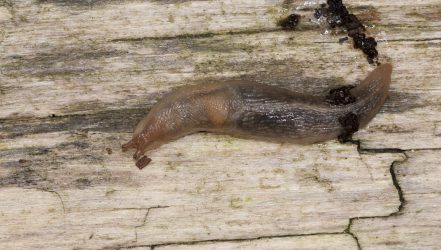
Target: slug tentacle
pixel 252 110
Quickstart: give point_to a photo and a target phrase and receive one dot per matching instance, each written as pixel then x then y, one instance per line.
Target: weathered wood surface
pixel 76 76
pixel 419 223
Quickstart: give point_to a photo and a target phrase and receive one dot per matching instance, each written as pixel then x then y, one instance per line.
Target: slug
pixel 257 111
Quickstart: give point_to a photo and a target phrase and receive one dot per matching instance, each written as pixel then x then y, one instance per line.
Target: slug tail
pixel 377 82
pixel 371 93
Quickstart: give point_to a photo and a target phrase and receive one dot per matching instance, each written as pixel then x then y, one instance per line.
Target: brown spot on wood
pixel 21 161
pixel 314 175
pixel 82 183
pixel 367 13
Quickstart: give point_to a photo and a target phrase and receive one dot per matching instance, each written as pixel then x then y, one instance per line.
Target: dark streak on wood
pixel 98 3
pixel 108 121
pixel 47 63
pixel 46 168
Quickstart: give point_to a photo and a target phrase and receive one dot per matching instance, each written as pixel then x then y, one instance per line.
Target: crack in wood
pixel 390 40
pixel 348 231
pixel 392 173
pixel 153 246
pixel 397 185
pixel 145 219
pixel 394 181
pixel 56 194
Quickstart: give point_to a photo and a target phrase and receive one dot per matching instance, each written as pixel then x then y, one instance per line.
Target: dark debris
pixel 143 162
pixel 350 125
pixel 340 96
pixel 290 22
pixel 337 15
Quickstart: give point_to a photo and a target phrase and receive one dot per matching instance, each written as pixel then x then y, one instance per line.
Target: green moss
pixel 172 165
pixel 238 202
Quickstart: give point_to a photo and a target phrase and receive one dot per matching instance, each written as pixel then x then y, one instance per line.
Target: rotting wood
pixel 77 76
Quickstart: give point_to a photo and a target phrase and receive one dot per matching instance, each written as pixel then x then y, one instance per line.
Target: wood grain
pixel 76 76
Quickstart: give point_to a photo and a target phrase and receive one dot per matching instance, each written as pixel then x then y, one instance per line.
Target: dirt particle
pixel 22 161
pixel 290 22
pixel 278 171
pixel 143 162
pixel 83 182
pixel 340 96
pixel 109 151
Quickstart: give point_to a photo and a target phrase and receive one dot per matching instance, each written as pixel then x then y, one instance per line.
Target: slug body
pixel 257 111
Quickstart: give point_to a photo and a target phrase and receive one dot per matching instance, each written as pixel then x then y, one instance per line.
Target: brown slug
pixel 256 111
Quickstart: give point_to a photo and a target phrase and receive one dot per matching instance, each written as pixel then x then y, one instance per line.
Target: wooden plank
pixel 76 76
pixel 418 225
